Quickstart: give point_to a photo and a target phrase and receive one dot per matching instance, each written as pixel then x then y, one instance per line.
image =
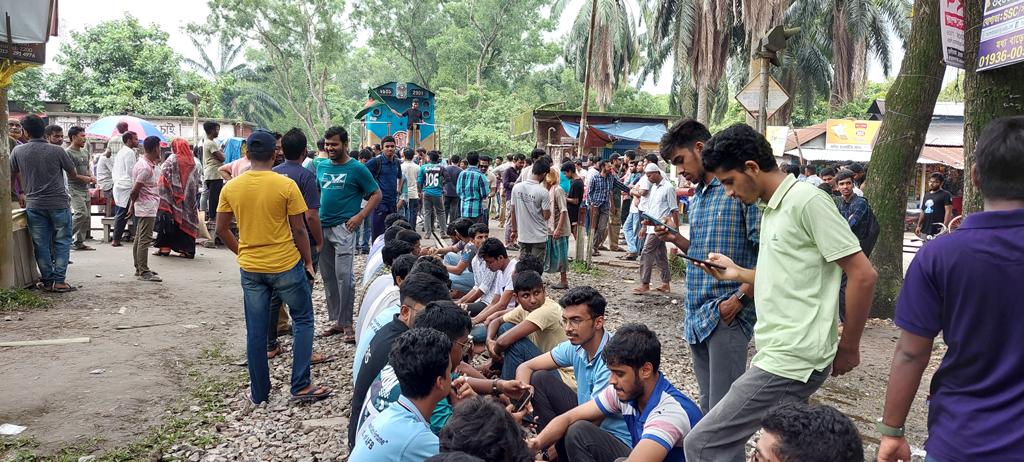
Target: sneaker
pixel 150 277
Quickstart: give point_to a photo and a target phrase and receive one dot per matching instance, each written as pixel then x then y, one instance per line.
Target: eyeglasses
pixel 575 322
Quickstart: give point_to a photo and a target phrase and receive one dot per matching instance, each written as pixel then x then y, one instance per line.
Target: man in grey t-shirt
pixel 531 209
pixel 81 215
pixel 40 167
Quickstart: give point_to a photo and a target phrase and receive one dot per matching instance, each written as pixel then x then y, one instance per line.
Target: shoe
pixel 150 277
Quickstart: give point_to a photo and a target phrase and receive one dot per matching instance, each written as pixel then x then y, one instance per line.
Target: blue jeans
pixel 51 242
pixel 461 282
pixel 257 292
pixel 365 232
pixel 520 352
pixel 412 208
pixel 630 228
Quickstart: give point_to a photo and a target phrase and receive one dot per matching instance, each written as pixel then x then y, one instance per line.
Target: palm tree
pixel 242 95
pixel 615 46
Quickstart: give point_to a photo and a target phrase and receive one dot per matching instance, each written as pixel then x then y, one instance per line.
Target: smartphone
pixel 520 404
pixel 657 222
pixel 705 262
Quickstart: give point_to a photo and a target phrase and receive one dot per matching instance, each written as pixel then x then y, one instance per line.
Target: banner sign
pixel 1002 34
pixel 851 135
pixel 951 20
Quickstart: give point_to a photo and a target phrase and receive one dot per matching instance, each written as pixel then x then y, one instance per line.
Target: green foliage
pixel 27 88
pixel 20 299
pixel 478 119
pixel 955 90
pixel 821 110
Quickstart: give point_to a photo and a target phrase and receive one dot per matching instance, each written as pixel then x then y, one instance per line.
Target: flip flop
pixel 350 335
pixel 314 394
pixel 84 247
pixel 319 358
pixel 61 290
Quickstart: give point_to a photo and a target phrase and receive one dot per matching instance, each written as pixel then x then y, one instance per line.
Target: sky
pixel 173 16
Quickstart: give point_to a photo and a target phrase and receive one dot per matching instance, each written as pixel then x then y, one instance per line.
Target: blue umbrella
pixel 107 127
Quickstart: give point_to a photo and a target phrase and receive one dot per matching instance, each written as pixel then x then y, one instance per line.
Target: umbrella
pixel 107 127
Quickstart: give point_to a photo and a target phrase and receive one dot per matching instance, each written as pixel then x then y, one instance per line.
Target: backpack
pixel 867 232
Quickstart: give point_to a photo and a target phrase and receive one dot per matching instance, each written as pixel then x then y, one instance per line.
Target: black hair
pixel 446 317
pixel 421 149
pixel 402 266
pixel 376 146
pixel 434 156
pixel 568 167
pixel 454 159
pixel 828 171
pixel 293 143
pixel 51 129
pixel 354 153
pixel 210 126
pixel 682 135
pixel 394 229
pixel 340 132
pixel 537 153
pixel 633 345
pixel 365 154
pixel 33 125
pixel 810 168
pixel 483 428
pixel 827 187
pixel 999 159
pixel 121 126
pixel 387 139
pixel 529 262
pixel 631 154
pixel 151 143
pixel 498 158
pixel 433 267
pixel 737 144
pixel 520 157
pixel 478 228
pixel 394 249
pixel 856 168
pixel 492 248
pixel 391 218
pixel 407 153
pixel 472 157
pixel 320 145
pixel 651 158
pixel 408 235
pixel 541 167
pixel 810 433
pixel 938 176
pixel 791 169
pixel 527 280
pixel 485 158
pixel 422 287
pixel 585 295
pixel 74 131
pixel 844 175
pixel 460 226
pixel 419 357
pixel 128 135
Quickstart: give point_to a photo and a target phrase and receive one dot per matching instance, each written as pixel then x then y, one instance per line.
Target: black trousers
pixel 551 398
pixel 213 188
pixel 452 207
pixel 586 442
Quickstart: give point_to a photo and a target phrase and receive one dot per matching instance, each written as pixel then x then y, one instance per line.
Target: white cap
pixel 652 167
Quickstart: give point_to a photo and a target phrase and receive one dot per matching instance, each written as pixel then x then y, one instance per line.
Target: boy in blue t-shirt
pixel 429 180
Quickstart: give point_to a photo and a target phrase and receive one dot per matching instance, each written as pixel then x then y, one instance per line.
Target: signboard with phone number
pixel 1002 34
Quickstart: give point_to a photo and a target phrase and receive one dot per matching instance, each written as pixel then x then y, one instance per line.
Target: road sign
pixel 750 97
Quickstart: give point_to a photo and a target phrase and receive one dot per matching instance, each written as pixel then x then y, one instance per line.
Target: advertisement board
pixel 851 135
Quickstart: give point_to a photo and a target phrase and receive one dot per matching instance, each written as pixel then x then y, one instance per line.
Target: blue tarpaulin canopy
pixel 646 132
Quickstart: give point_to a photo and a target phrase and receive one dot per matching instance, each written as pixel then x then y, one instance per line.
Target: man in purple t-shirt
pixel 964 285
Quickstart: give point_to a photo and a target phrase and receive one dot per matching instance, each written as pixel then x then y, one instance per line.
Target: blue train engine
pixel 394 111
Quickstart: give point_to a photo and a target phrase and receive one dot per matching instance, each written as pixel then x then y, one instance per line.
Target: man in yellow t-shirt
pixel 533 328
pixel 269 210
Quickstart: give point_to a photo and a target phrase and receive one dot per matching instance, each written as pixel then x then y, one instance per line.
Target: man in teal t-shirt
pixel 344 183
pixel 429 180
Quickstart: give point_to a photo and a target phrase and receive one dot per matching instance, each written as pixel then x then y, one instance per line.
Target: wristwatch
pixel 886 430
pixel 742 297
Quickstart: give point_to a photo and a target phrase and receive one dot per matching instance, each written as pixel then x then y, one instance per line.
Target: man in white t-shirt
pixel 410 172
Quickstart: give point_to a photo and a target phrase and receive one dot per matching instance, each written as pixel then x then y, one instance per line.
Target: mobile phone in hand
pixel 519 404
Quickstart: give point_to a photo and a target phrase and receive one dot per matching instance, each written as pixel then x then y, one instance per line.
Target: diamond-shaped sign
pixel 750 97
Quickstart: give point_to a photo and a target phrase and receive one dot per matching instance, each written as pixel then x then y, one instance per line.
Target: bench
pixel 108 225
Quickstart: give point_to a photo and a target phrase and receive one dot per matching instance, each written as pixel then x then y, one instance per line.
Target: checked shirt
pixel 472 188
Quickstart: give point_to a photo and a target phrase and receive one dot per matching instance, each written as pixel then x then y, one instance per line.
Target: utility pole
pixel 767 53
pixel 587 246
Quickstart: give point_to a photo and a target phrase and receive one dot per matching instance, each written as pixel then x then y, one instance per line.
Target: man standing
pixel 631 225
pixel 80 214
pixel 856 211
pixel 274 256
pixel 39 168
pixel 54 135
pixel 531 210
pixel 805 246
pixel 105 177
pixel 965 286
pixel 429 180
pixel 811 176
pixel 660 204
pixel 344 182
pixel 574 197
pixel 936 208
pixel 145 200
pixel 386 169
pixel 413 119
pixel 213 160
pixel 599 193
pixel 450 180
pixel 123 165
pixel 614 206
pixel 472 188
pixel 410 172
pixel 115 143
pixel 719 317
pixel 508 181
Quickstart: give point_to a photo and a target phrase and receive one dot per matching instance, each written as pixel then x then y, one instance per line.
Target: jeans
pixel 278 313
pixel 143 241
pixel 453 207
pixel 336 270
pixel 365 230
pixel 520 352
pixel 601 228
pixel 460 282
pixel 433 213
pixel 51 241
pixel 80 215
pixel 213 188
pixel 121 221
pixel 412 208
pixel 723 433
pixel 586 442
pixel 257 290
pixel 718 361
pixel 379 214
pixel 630 228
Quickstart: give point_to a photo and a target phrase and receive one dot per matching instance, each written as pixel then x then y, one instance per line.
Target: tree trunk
pixel 987 96
pixel 842 57
pixel 6 254
pixel 911 101
pixel 702 105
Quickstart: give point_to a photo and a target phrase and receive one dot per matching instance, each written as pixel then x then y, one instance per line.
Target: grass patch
pixel 191 422
pixel 580 267
pixel 20 299
pixel 677 265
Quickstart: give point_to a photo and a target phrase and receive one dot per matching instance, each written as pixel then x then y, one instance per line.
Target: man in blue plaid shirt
pixel 719 318
pixel 472 188
pixel 599 199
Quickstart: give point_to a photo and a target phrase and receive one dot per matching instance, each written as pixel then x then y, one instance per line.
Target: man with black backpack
pixel 858 214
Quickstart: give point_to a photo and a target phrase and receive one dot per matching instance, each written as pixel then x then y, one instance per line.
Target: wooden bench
pixel 108 225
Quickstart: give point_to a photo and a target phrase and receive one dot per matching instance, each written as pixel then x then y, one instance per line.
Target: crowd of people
pixel 462 352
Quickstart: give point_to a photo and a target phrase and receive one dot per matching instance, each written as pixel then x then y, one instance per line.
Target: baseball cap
pixel 261 142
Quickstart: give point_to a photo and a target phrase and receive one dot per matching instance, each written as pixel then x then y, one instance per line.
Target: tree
pixel 615 46
pixel 988 95
pixel 242 90
pixel 27 89
pixel 122 66
pixel 910 103
pixel 402 28
pixel 300 43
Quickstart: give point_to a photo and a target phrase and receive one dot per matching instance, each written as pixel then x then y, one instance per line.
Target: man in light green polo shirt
pixel 805 247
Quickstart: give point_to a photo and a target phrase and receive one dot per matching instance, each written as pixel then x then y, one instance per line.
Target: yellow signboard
pixel 851 135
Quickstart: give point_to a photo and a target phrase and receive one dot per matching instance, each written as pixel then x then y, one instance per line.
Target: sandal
pixel 320 358
pixel 66 288
pixel 271 354
pixel 560 286
pixel 331 331
pixel 350 335
pixel 44 286
pixel 316 393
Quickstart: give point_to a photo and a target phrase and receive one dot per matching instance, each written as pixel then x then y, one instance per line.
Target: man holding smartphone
pixel 719 315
